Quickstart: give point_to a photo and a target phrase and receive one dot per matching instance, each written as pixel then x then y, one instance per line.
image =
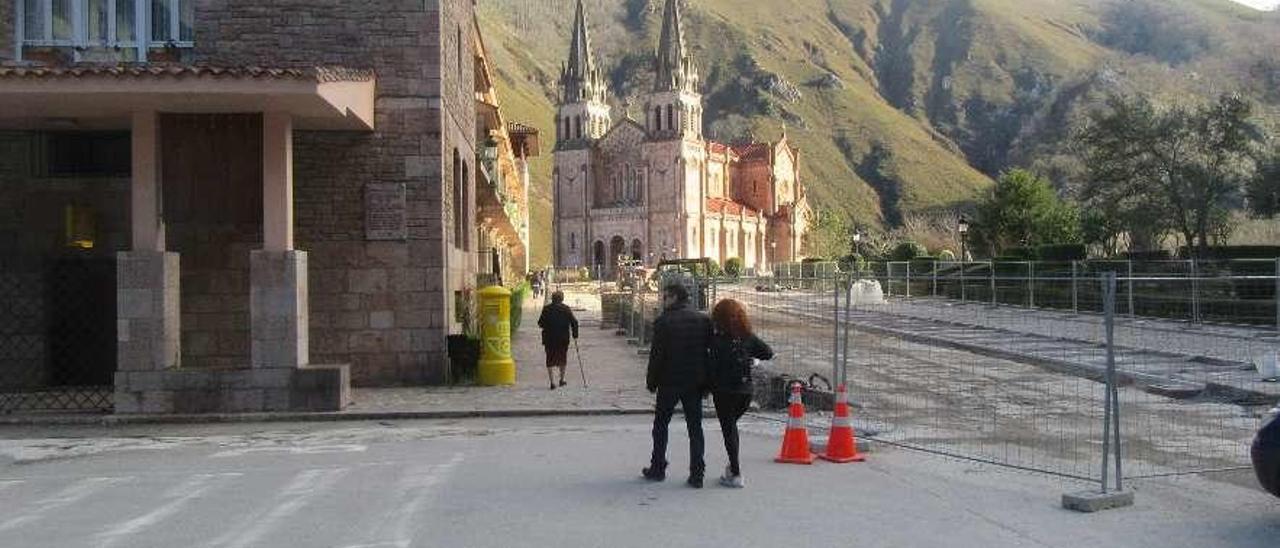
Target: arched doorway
pixel 637 250
pixel 597 257
pixel 617 248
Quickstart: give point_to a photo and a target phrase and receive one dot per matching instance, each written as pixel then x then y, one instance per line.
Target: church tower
pixel 582 117
pixel 583 113
pixel 674 109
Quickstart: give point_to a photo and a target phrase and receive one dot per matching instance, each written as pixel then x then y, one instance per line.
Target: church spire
pixel 580 79
pixel 675 68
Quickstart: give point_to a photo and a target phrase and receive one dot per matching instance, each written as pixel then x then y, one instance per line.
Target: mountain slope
pixel 898 106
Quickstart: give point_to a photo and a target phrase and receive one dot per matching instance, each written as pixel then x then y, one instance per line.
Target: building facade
pixel 241 190
pixel 655 188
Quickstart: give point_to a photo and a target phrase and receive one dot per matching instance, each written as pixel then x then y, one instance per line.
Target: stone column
pixel 278 309
pixel 147 312
pixel 278 273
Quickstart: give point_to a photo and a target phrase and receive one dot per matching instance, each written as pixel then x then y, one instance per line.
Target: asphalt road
pixel 549 482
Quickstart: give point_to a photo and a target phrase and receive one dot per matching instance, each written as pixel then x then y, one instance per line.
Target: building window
pixel 84 154
pixel 459 205
pixel 578 121
pixel 458 52
pixel 106 23
pixel 573 241
pixel 671 121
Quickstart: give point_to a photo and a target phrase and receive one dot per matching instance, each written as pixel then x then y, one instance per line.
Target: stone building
pixel 203 202
pixel 654 188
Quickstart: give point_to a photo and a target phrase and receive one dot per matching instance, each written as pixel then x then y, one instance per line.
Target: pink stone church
pixel 654 188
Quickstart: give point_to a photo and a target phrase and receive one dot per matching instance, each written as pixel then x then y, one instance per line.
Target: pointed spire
pixel 675 68
pixel 580 79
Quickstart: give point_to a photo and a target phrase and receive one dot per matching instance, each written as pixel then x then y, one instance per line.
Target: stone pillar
pixel 147 313
pixel 277 181
pixel 145 191
pixel 278 309
pixel 278 273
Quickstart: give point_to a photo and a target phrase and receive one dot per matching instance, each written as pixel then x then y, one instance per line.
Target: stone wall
pixel 382 306
pixel 7 21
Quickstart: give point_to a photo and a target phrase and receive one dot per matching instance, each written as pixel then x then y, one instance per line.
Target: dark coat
pixel 678 356
pixel 557 323
pixel 731 362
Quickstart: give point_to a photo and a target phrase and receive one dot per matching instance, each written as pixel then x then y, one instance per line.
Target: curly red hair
pixel 730 317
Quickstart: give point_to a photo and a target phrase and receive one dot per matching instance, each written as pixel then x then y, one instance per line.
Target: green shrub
pixel 1062 252
pixel 853 262
pixel 1158 255
pixel 1226 252
pixel 907 251
pixel 1020 253
pixel 733 267
pixel 946 256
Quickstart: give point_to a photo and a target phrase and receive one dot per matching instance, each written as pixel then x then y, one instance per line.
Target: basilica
pixel 654 188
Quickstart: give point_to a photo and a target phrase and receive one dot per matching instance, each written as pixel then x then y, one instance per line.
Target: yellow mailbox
pixel 496 366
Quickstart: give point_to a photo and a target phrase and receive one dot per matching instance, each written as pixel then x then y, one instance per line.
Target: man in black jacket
pixel 557 323
pixel 677 372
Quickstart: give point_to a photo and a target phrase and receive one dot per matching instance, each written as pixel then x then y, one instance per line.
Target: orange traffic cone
pixel 841 445
pixel 795 442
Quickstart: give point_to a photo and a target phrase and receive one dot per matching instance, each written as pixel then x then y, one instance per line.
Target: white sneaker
pixel 730 480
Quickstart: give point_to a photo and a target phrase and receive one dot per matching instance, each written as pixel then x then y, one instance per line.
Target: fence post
pixel 1075 288
pixel 908 279
pixel 994 300
pixel 1194 292
pixel 1129 285
pixel 1106 499
pixel 835 337
pixel 935 280
pixel 1031 284
pixel 844 360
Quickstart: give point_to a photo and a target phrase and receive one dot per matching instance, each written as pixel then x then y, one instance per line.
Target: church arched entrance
pixel 617 250
pixel 637 250
pixel 597 257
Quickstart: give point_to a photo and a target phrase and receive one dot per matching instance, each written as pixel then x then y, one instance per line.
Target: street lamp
pixel 857 243
pixel 964 238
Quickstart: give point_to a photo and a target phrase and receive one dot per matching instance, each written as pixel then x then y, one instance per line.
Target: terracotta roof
pixel 753 151
pixel 317 74
pixel 717 148
pixel 722 205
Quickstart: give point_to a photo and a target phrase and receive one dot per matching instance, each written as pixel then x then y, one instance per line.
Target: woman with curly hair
pixel 734 349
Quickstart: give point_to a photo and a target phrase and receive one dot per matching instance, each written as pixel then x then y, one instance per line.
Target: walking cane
pixel 581 367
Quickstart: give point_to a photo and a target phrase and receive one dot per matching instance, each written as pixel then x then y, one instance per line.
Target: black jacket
pixel 678 356
pixel 557 322
pixel 731 362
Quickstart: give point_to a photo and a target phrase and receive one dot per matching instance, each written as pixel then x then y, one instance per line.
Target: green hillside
pixel 898 106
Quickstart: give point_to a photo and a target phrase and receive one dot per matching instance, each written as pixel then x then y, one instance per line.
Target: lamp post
pixel 963 228
pixel 857 243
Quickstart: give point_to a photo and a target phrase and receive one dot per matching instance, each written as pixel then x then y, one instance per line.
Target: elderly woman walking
pixel 734 349
pixel 557 323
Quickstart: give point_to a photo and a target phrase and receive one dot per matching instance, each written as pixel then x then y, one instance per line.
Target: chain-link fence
pixel 1025 385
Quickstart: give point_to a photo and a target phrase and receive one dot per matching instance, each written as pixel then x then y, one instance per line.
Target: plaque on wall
pixel 384 212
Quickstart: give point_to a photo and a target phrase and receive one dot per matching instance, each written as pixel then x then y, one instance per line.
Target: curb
pixel 343 416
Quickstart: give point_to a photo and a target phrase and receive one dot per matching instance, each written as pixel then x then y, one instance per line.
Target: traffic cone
pixel 795 442
pixel 841 445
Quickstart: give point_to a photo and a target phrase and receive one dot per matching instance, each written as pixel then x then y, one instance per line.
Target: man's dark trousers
pixel 691 401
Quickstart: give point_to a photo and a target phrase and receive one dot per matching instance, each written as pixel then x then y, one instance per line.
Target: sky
pixel 1260 4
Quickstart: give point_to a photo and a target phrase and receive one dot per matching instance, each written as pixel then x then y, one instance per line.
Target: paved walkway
pixel 615 376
